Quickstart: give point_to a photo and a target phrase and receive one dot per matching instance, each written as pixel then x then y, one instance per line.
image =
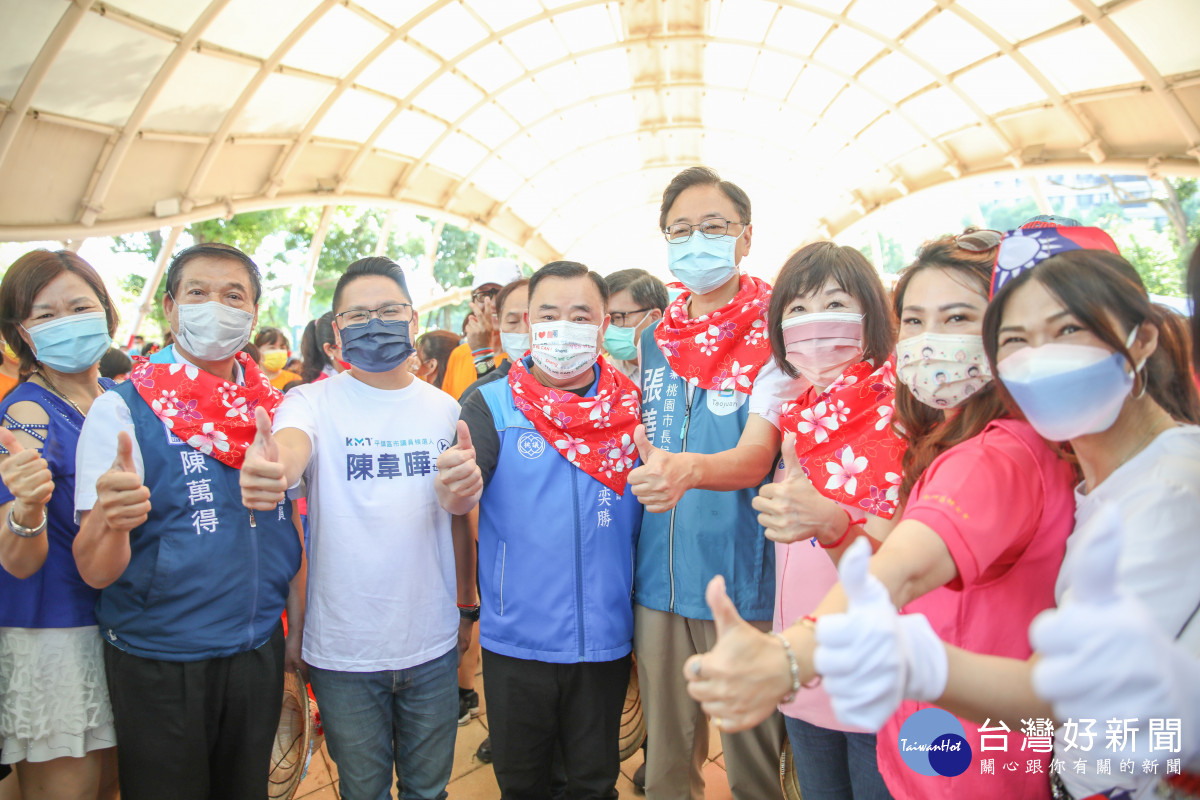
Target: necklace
pixel 50 385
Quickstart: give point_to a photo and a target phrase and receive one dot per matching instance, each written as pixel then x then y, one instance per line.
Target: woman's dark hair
pixel 927 429
pixel 267 335
pixel 26 278
pixel 703 176
pixel 1096 286
pixel 439 345
pixel 115 362
pixel 212 250
pixel 1193 287
pixel 807 271
pixel 317 334
pixel 373 265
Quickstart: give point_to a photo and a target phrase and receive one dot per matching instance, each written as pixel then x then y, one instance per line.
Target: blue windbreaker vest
pixel 556 550
pixel 707 533
pixel 202 581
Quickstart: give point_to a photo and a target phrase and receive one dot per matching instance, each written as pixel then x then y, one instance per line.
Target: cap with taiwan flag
pixel 1040 238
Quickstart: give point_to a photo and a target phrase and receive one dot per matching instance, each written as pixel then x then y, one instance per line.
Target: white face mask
pixel 212 331
pixel 515 344
pixel 942 369
pixel 562 349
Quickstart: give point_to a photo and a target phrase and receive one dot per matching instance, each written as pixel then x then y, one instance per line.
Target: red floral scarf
pixel 593 433
pixel 844 435
pixel 212 415
pixel 724 349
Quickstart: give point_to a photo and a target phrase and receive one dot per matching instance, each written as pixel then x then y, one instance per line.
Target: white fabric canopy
pixel 553 126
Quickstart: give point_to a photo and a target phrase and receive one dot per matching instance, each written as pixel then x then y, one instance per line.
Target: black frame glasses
pixel 403 314
pixel 619 318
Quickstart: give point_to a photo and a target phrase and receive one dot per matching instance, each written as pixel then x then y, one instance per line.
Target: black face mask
pixel 377 346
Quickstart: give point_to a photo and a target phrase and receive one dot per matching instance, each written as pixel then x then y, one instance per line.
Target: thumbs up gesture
pixel 262 478
pixel 791 509
pixel 120 495
pixel 1102 655
pixel 459 481
pixel 870 657
pixel 663 476
pixel 27 475
pixel 742 679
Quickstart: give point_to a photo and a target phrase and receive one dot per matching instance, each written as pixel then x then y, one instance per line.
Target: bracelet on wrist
pixel 842 538
pixel 793 667
pixel 810 622
pixel 27 533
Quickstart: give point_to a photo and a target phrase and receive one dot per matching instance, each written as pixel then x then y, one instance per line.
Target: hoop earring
pixel 1140 376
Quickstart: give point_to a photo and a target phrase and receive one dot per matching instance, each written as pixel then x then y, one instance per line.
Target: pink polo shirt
pixel 1004 505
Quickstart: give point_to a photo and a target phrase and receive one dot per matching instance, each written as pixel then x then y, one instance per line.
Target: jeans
pixel 404 719
pixel 833 765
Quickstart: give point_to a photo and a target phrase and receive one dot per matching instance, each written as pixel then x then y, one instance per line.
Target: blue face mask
pixel 71 344
pixel 377 346
pixel 1066 390
pixel 619 342
pixel 702 264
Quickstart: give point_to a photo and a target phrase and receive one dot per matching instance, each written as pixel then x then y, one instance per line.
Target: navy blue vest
pixel 203 580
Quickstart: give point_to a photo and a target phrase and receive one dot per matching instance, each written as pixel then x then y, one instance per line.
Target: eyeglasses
pixel 714 228
pixel 480 294
pixel 392 312
pixel 619 318
pixel 978 241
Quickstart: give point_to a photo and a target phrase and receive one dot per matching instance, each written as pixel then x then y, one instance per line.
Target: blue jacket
pixel 707 533
pixel 194 590
pixel 556 550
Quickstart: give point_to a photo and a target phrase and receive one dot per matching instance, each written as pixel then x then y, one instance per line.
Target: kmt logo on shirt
pixel 531 444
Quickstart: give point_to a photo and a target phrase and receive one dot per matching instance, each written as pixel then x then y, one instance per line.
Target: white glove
pixel 870 658
pixel 1102 656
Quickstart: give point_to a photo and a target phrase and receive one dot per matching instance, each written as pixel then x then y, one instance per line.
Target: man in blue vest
pixel 698 366
pixel 545 454
pixel 192 583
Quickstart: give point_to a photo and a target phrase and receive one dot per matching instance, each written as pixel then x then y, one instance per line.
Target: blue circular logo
pixel 932 742
pixel 531 444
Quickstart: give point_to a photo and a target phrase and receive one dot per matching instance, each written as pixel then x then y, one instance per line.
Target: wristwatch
pixel 469 613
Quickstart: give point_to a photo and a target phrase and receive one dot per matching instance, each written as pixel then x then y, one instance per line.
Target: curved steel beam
pixel 36 73
pixel 93 204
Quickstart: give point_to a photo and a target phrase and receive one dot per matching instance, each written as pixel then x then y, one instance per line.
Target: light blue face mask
pixel 73 343
pixel 1066 391
pixel 702 264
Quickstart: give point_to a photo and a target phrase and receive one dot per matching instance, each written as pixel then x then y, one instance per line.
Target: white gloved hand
pixel 1103 656
pixel 871 658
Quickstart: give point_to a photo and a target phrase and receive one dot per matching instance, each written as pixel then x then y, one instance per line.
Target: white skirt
pixel 53 696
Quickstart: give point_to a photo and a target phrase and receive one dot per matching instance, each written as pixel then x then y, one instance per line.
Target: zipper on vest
pixel 689 395
pixel 578 563
pixel 257 581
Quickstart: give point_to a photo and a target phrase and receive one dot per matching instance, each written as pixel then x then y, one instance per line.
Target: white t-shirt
pixel 1157 493
pixel 97 448
pixel 381 579
pixel 772 388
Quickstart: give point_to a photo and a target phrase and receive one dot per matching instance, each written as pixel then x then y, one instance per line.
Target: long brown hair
pixel 1096 286
pixel 26 278
pixel 928 430
pixel 806 271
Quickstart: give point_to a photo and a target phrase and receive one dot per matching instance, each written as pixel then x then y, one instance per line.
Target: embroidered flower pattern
pixel 209 438
pixel 816 421
pixel 188 370
pixel 885 416
pixel 708 341
pixel 876 502
pixel 894 480
pixel 757 333
pixel 572 447
pixel 844 475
